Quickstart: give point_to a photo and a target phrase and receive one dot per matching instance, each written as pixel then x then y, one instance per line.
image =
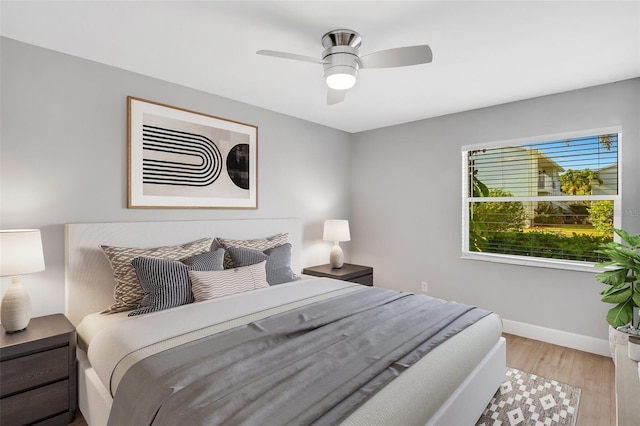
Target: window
pixel 548 202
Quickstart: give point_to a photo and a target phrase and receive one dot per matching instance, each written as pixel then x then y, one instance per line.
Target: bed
pixel 449 385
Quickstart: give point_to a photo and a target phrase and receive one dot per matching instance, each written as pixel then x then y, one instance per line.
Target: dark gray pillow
pixel 278 262
pixel 166 282
pixel 209 261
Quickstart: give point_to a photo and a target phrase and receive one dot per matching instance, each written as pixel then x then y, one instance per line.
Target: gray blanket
pixel 312 365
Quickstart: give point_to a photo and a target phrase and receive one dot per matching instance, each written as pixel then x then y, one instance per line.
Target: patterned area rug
pixel 528 399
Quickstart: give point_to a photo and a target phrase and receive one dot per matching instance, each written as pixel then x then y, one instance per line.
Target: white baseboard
pixel 557 337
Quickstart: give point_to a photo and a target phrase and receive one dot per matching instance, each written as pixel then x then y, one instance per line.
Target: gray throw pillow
pixel 260 244
pixel 278 261
pixel 166 282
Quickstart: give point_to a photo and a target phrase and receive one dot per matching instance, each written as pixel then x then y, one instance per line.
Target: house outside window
pixel 542 202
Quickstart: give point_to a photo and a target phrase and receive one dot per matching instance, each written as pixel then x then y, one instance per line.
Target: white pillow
pixel 207 285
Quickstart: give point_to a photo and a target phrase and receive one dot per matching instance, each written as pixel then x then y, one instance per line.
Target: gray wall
pixel 406 206
pixel 64 157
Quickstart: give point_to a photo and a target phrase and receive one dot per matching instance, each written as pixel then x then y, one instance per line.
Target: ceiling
pixel 484 52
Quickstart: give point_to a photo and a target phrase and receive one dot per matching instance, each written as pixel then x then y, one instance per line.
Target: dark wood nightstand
pixel 38 374
pixel 349 272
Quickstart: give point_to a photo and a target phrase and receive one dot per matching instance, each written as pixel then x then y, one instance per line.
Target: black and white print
pixel 180 158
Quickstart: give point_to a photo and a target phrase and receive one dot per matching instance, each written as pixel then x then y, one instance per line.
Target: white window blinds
pixel 550 200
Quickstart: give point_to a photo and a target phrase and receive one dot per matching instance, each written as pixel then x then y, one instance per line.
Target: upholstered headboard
pixel 89 281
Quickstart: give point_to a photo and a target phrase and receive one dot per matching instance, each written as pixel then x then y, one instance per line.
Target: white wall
pixel 406 206
pixel 64 157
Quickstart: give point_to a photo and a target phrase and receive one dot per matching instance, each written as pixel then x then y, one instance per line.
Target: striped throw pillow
pixel 207 285
pixel 127 292
pixel 166 282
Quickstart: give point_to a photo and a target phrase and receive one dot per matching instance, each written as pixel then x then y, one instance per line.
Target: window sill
pixel 536 262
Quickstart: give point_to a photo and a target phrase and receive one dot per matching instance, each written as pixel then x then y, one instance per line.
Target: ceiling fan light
pixel 341 77
pixel 341 81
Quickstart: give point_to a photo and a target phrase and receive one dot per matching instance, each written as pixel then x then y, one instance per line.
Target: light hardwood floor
pixel 594 374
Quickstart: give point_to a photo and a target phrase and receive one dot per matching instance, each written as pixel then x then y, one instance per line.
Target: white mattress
pixel 92 324
pixel 115 342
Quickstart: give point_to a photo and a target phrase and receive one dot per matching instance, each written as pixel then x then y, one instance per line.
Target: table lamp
pixel 20 253
pixel 336 231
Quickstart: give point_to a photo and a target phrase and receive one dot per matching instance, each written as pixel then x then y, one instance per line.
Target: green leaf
pixel 622 233
pixel 603 264
pixel 620 315
pixel 624 258
pixel 615 277
pixel 636 298
pixel 629 252
pixel 619 296
pixel 632 240
pixel 613 289
pixel 609 245
pixel 613 248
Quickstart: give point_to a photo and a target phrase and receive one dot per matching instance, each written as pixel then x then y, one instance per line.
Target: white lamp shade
pixel 20 252
pixel 336 230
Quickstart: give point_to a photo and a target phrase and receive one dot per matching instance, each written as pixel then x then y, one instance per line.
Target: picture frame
pixel 179 158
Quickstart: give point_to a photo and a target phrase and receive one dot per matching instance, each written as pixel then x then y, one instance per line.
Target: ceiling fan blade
pixel 335 96
pixel 398 57
pixel 290 56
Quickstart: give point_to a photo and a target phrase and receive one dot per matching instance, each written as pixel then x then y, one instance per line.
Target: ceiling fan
pixel 341 60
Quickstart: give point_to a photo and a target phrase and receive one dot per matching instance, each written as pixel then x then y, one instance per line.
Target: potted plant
pixel 622 274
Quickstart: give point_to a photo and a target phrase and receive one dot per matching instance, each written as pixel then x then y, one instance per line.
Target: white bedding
pixel 92 324
pixel 117 341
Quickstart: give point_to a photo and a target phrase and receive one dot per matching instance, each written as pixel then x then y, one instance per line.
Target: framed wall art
pixel 185 159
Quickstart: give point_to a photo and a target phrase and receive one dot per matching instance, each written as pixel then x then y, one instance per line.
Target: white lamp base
pixel 336 256
pixel 15 310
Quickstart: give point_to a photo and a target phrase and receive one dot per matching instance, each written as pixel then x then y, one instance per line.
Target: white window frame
pixel 537 261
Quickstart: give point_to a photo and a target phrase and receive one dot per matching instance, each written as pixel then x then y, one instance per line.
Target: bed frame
pixel 89 288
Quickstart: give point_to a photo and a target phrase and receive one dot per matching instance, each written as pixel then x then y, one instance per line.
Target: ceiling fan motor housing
pixel 341 55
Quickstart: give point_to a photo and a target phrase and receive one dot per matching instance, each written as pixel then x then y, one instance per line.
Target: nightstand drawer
pixel 36 404
pixel 30 371
pixel 364 280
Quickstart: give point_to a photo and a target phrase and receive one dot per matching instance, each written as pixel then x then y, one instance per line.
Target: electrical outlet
pixel 424 287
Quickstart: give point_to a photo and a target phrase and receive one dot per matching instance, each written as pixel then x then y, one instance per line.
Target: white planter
pixel 616 337
pixel 633 349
